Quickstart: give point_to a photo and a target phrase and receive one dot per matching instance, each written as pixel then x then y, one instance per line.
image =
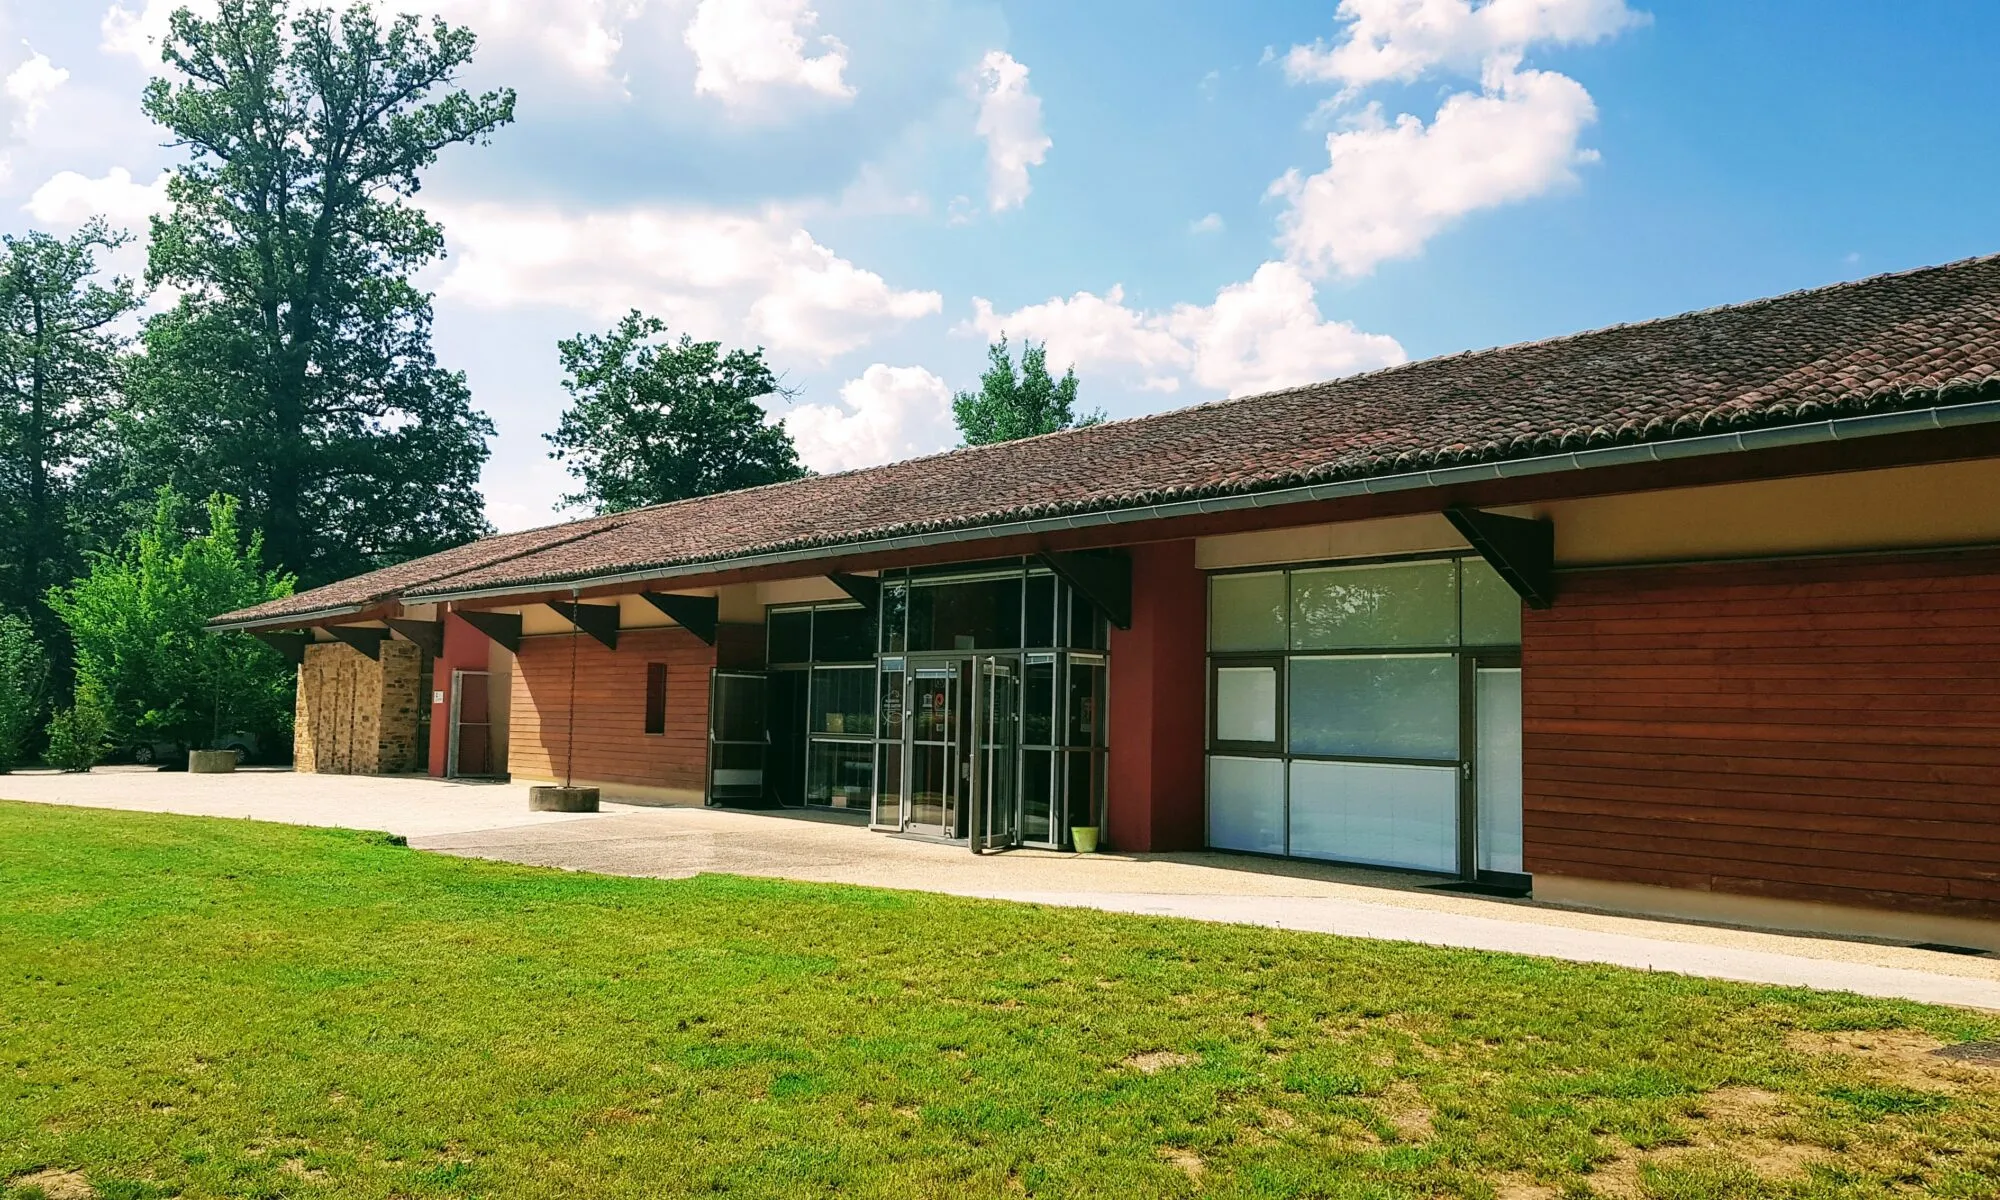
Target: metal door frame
pixel 987 670
pixel 451 770
pixel 933 666
pixel 715 677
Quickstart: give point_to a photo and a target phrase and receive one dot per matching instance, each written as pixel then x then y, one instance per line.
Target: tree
pixel 1014 404
pixel 24 674
pixel 138 620
pixel 653 420
pixel 80 735
pixel 60 364
pixel 296 371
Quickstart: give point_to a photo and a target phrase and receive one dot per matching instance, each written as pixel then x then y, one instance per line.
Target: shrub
pixel 80 735
pixel 24 676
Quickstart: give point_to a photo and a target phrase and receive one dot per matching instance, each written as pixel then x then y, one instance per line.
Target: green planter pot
pixel 1084 837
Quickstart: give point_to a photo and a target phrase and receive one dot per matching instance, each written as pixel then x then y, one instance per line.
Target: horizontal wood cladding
pixel 1823 730
pixel 611 744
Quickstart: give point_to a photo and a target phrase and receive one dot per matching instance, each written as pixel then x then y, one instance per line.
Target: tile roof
pixel 1913 339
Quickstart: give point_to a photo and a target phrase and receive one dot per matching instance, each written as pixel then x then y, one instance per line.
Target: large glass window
pixel 1039 612
pixel 840 774
pixel 1246 703
pixel 1375 706
pixel 1246 804
pixel 1246 612
pixel 790 636
pixel 1339 725
pixel 843 634
pixel 978 614
pixel 1492 608
pixel 1352 608
pixel 843 701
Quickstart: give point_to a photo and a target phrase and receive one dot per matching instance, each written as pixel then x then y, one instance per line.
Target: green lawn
pixel 203 1007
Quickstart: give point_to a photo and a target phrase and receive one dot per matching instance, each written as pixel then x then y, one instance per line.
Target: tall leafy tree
pixel 296 371
pixel 1018 402
pixel 653 420
pixel 138 617
pixel 60 366
pixel 24 675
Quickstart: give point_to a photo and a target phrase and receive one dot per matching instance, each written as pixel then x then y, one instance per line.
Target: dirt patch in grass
pixel 1155 1061
pixel 1900 1056
pixel 1403 1109
pixel 1187 1162
pixel 55 1184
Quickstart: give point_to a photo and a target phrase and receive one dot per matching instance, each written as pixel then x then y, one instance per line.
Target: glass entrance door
pixel 962 735
pixel 997 806
pixel 939 767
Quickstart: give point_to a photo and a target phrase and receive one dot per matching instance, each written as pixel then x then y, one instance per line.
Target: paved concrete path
pixel 492 821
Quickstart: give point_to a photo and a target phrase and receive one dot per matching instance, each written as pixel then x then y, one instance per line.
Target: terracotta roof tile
pixel 1915 338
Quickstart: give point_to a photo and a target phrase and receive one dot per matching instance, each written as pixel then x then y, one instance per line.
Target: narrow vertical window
pixel 656 697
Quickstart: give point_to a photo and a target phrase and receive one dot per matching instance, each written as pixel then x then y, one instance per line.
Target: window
pixel 1344 720
pixel 656 697
pixel 1246 703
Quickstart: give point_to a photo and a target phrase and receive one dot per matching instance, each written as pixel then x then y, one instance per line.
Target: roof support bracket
pixel 600 621
pixel 504 629
pixel 291 645
pixel 696 614
pixel 428 635
pixel 865 588
pixel 368 641
pixel 1522 550
pixel 1104 579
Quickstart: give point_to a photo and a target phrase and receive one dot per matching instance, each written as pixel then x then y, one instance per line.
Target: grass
pixel 200 1007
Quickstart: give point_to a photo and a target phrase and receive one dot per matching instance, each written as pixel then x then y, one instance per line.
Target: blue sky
pixel 1188 200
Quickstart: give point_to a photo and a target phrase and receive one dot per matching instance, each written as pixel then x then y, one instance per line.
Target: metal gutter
pixel 1773 437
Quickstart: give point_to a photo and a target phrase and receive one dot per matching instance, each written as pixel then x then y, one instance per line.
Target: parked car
pixel 174 754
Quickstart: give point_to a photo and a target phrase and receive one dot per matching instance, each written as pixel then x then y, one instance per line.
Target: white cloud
pixel 745 49
pixel 713 273
pixel 1212 223
pixel 1267 333
pixel 28 89
pixel 1010 119
pixel 69 198
pixel 1402 39
pixel 1259 335
pixel 1388 188
pixel 583 37
pixel 887 414
pixel 1092 332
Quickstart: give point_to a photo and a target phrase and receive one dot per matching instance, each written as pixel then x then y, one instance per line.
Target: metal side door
pixel 737 740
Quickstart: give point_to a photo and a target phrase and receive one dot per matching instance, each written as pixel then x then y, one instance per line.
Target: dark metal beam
pixel 1105 579
pixel 1522 550
pixel 291 645
pixel 503 628
pixel 696 614
pixel 368 641
pixel 428 635
pixel 865 588
pixel 600 621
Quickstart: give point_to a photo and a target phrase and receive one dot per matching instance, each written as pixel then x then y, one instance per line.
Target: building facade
pixel 1697 617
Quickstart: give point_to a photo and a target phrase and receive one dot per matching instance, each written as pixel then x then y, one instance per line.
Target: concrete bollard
pixel 211 762
pixel 562 799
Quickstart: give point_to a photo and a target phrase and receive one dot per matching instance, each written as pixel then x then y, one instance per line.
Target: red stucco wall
pixel 1158 705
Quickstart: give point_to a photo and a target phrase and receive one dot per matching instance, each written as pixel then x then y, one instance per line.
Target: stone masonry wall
pixel 356 715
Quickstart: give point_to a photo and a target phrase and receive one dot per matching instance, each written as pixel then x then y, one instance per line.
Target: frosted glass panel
pixel 1392 816
pixel 1499 699
pixel 1246 612
pixel 1351 608
pixel 1380 706
pixel 1492 608
pixel 1246 704
pixel 1246 804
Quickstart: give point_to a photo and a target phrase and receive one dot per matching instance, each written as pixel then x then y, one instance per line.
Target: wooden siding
pixel 612 745
pixel 1822 730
